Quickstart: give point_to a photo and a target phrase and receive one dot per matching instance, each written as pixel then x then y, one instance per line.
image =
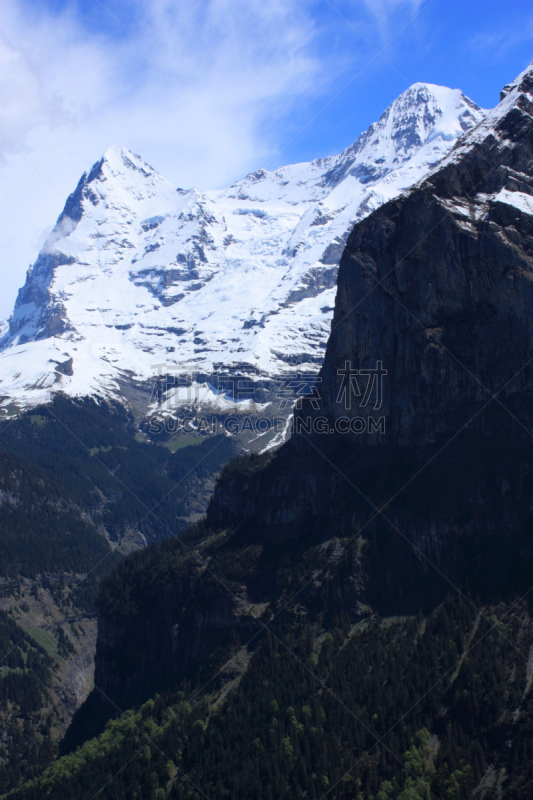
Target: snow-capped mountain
pixel 139 278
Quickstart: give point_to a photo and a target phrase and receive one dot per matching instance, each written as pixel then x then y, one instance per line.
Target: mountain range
pixel 139 279
pixel 352 616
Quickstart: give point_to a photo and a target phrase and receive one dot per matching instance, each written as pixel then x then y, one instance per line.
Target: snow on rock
pixel 139 278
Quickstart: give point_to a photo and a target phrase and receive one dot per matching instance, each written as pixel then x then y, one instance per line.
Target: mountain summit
pixel 138 277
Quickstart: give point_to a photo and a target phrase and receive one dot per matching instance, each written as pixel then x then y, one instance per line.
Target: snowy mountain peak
pixel 120 176
pixel 424 116
pixel 138 278
pixel 421 124
pixel 116 153
pixel 118 162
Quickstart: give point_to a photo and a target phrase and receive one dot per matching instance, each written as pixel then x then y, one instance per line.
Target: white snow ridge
pixel 139 277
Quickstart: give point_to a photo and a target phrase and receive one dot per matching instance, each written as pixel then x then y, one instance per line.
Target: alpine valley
pixel 350 618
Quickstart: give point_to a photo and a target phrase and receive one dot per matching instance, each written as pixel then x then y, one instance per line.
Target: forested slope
pixel 76 490
pixel 406 707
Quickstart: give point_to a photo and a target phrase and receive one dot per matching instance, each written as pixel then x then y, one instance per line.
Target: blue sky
pixel 207 91
pixel 475 46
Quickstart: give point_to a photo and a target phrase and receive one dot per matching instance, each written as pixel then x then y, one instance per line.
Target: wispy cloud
pixel 385 13
pixel 498 43
pixel 194 77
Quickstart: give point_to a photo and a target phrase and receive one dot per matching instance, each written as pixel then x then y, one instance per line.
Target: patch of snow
pixel 520 200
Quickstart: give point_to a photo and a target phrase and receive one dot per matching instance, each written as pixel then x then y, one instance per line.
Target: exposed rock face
pixel 437 286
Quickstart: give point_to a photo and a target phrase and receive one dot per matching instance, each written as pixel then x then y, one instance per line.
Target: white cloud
pixel 64 228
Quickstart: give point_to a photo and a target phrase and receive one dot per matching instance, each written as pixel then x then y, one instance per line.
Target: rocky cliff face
pixel 421 437
pixel 435 288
